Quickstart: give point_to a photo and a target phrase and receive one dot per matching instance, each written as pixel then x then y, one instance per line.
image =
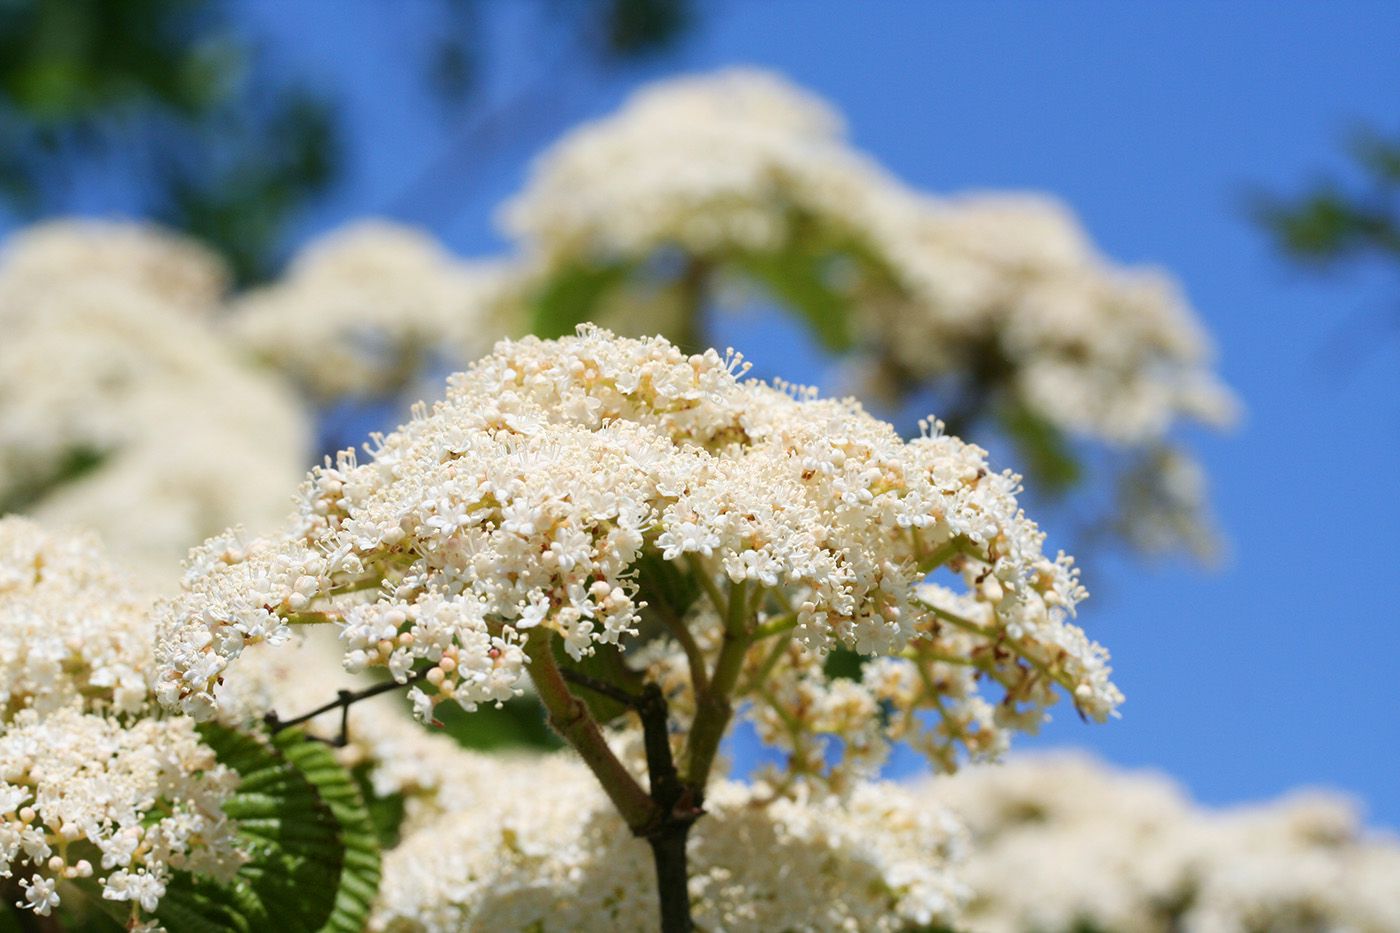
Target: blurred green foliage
pixel 178 100
pixel 1332 222
pixel 171 96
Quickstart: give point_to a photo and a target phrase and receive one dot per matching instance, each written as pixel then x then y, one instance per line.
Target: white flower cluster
pixel 125 412
pixel 741 162
pixel 998 301
pixel 531 496
pixel 1098 351
pixel 1063 843
pixel 730 163
pixel 365 308
pixel 71 632
pixel 504 860
pixel 88 769
pixel 148 258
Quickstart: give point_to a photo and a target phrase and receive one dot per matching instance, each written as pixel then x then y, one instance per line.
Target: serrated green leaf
pixel 314 862
pixel 360 872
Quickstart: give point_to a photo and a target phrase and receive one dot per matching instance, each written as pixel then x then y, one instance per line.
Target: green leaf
pixel 799 279
pixel 359 875
pixel 517 723
pixel 386 813
pixel 75 464
pixel 1377 154
pixel 843 663
pixel 572 296
pixel 1045 450
pixel 315 862
pixel 665 585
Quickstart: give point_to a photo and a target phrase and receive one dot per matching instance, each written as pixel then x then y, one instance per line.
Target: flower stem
pixel 713 707
pixel 569 717
pixel 677 804
pixel 672 877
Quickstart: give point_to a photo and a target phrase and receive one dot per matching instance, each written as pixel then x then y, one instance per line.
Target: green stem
pixel 737 618
pixel 707 583
pixel 713 707
pixel 368 583
pixel 776 626
pixel 694 657
pixel 774 656
pixel 692 287
pixel 311 618
pixel 946 552
pixel 968 625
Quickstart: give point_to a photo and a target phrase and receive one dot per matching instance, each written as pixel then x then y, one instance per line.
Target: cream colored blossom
pixel 94 782
pixel 121 412
pixel 715 164
pixel 363 309
pixel 1060 843
pixel 563 861
pixel 73 633
pixel 530 495
pixel 1096 350
pixel 740 163
pixel 155 261
pixel 148 795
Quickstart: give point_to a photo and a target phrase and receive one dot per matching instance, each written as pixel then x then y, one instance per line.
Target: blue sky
pixel 1152 121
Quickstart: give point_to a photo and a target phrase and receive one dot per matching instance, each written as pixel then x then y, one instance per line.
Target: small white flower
pixel 40 894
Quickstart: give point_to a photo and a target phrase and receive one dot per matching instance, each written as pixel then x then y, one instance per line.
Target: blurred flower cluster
pixel 1064 843
pixel 122 407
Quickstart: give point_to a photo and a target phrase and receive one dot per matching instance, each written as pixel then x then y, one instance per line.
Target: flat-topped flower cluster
pixel 121 407
pixel 1062 842
pixel 556 473
pixel 364 309
pixel 94 782
pixel 716 164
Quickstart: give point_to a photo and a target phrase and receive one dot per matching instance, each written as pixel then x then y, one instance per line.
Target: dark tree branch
pixel 343 701
pixel 602 688
pixel 678 804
